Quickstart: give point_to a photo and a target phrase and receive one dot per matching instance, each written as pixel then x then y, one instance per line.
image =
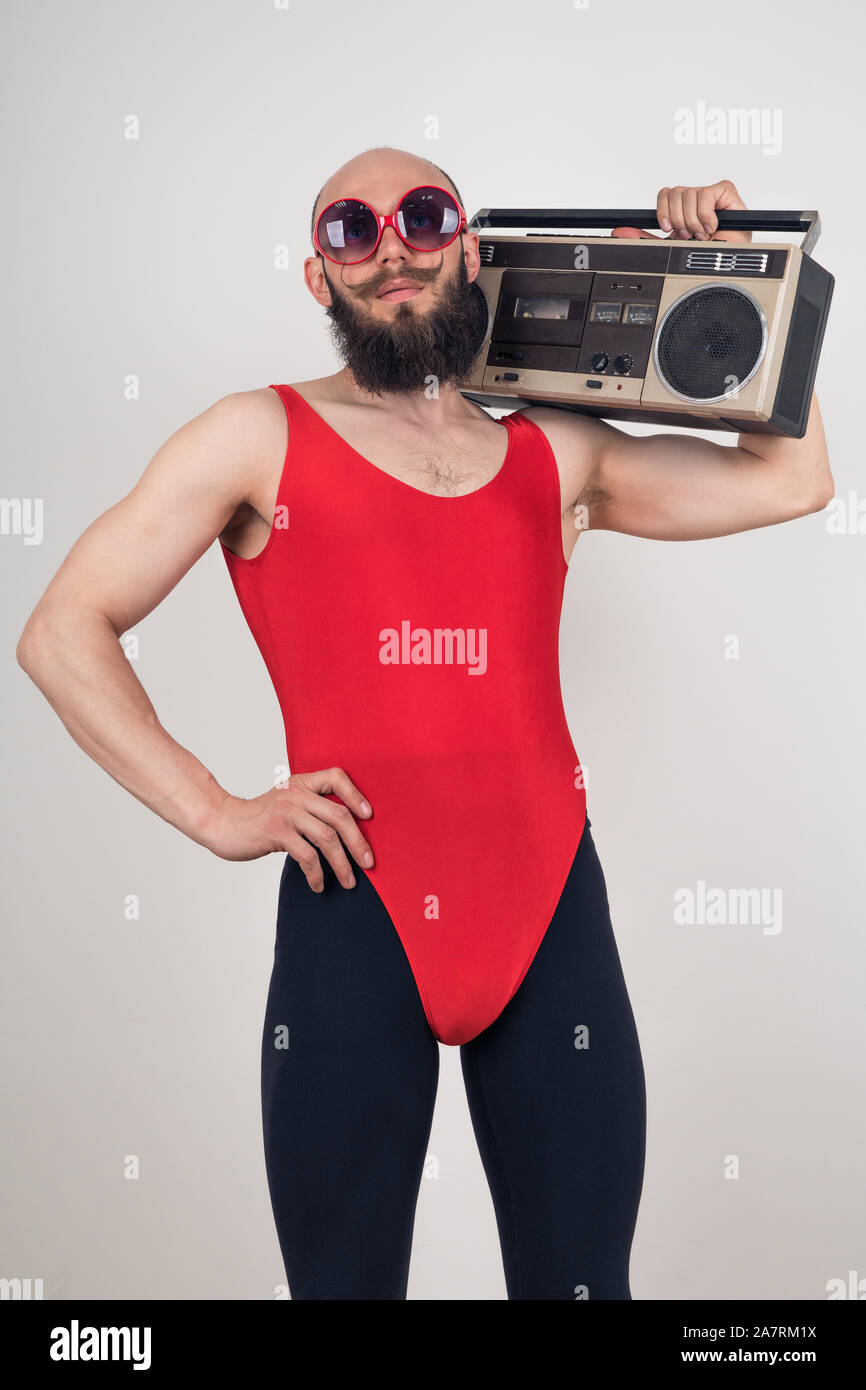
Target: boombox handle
pixel 743 221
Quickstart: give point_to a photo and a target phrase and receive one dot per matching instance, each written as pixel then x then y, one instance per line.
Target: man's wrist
pixel 196 807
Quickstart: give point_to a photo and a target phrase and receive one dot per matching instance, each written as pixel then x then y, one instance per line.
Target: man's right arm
pixel 116 573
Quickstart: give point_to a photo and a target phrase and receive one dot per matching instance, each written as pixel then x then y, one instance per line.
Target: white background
pixel 155 258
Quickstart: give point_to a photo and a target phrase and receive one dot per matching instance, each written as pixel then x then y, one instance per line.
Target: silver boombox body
pixel 704 334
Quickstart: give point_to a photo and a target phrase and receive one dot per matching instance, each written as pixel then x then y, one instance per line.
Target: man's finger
pixel 353 797
pixel 335 780
pixel 341 818
pixel 690 211
pixel 706 207
pixel 634 232
pixel 326 838
pixel 675 204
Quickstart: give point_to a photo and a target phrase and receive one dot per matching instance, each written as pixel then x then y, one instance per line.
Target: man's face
pixel 393 340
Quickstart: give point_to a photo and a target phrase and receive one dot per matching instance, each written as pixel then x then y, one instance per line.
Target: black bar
pixel 747 220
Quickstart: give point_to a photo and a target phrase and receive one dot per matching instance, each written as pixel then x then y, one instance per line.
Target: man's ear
pixel 471 254
pixel 317 281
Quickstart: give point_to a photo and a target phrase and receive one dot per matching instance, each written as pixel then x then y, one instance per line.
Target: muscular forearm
pixel 804 462
pixel 76 660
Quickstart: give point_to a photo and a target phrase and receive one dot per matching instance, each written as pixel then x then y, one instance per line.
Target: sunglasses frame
pixel 389 219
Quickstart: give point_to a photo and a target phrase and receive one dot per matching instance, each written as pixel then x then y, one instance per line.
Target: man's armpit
pixel 591 499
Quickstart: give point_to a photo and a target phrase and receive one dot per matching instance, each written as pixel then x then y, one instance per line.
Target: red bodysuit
pixel 413 640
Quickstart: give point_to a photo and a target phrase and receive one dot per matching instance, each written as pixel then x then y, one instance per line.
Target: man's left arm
pixel 677 487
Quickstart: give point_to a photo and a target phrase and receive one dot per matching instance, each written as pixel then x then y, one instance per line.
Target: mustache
pixel 371 288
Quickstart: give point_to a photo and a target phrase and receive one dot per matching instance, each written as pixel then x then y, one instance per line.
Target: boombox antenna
pixel 748 220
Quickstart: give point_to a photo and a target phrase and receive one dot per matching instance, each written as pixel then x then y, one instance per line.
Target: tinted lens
pixel 428 218
pixel 347 230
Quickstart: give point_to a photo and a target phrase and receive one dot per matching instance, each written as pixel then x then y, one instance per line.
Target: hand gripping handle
pixel 747 220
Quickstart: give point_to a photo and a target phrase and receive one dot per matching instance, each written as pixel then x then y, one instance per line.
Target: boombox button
pixel 510 376
pixel 596 384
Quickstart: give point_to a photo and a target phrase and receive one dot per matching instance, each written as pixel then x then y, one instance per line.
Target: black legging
pixel 349 1074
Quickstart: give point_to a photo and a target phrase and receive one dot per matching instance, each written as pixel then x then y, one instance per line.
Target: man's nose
pixel 391 245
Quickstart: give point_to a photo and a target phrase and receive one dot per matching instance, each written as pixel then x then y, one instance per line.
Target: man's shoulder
pixel 254 419
pixel 248 430
pixel 252 403
pixel 562 425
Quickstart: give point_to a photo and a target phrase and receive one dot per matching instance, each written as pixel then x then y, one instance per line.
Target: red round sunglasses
pixel 426 218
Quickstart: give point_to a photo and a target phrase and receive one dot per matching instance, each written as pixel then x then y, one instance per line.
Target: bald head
pixel 376 168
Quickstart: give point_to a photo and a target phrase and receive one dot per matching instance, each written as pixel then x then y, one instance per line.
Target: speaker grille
pixel 710 343
pixel 727 260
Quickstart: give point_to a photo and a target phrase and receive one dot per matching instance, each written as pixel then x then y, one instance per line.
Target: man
pixel 400 556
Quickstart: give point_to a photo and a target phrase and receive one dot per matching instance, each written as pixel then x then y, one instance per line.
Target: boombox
pixel 705 334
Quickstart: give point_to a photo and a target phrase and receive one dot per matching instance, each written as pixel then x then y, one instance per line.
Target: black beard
pixel 400 357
